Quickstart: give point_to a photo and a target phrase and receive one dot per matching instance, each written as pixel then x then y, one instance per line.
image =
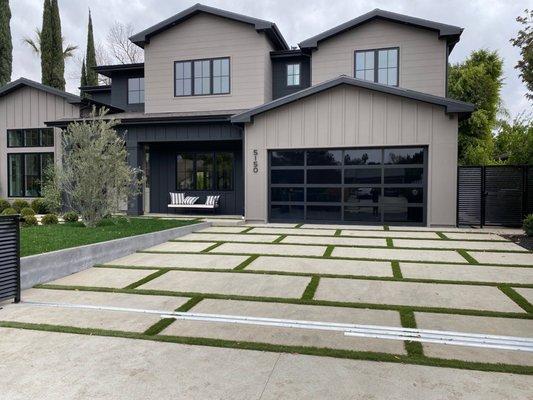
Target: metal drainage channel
pixel 352 330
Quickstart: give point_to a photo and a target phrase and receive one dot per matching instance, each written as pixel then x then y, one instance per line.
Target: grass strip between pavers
pixel 244 231
pixel 298 226
pixel 396 271
pixel 414 349
pixel 311 288
pixel 146 279
pixel 517 298
pixel 212 247
pixel 315 351
pixel 164 323
pixel 279 239
pixel 338 232
pixel 386 228
pixel 467 256
pixel 329 251
pixel 246 262
pixel 443 236
pixel 190 304
pixel 390 244
pixel 288 300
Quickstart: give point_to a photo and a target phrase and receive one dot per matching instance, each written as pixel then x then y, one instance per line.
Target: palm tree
pixel 35 45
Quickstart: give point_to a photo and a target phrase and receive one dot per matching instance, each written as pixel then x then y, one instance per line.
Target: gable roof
pixel 451 105
pixel 260 25
pixel 449 32
pixel 21 82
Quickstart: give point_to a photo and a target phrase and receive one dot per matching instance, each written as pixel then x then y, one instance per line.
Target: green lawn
pixel 42 239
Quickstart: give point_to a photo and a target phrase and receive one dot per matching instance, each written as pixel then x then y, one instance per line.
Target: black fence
pixel 9 258
pixel 494 195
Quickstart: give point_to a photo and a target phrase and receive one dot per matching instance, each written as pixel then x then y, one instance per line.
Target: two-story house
pixel 354 126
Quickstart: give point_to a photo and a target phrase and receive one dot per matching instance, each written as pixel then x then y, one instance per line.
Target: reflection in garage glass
pixel 364 176
pixel 324 157
pixel 287 194
pixel 324 195
pixel 287 158
pixel 362 195
pixel 362 157
pixel 403 175
pixel 287 176
pixel 325 176
pixel 404 156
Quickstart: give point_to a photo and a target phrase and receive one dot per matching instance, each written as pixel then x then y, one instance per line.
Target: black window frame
pixel 9 155
pixel 210 77
pixel 299 64
pixel 214 180
pixel 376 64
pixel 23 132
pixel 128 90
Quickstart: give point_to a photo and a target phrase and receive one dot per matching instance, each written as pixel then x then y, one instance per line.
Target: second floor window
pixel 379 66
pixel 293 74
pixel 135 90
pixel 43 137
pixel 202 77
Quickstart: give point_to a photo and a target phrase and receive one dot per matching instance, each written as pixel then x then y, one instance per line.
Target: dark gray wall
pixel 119 90
pixel 279 75
pixel 101 96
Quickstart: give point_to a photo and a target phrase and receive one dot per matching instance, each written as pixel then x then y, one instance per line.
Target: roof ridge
pixel 22 81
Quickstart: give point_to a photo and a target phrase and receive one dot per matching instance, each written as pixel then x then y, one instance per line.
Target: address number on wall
pixel 255 163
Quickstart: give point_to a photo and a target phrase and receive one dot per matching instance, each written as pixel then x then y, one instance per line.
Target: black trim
pixel 376 63
pixel 24 172
pixel 210 77
pixel 128 90
pixel 40 130
pixel 108 70
pixel 299 74
pixel 213 187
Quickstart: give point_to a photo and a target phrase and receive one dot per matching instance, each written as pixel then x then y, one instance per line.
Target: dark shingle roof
pixel 451 105
pixel 449 32
pixel 260 25
pixel 12 86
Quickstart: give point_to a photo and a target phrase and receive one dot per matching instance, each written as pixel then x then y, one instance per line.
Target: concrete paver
pixel 472 236
pixel 456 244
pixel 399 254
pixel 104 277
pixel 230 237
pixel 341 226
pixel 481 325
pixel 391 234
pixel 345 241
pixel 321 266
pixel 468 272
pixel 282 249
pixel 415 294
pixel 224 229
pixel 269 225
pixel 289 336
pixel 180 260
pixel 503 258
pixel 181 246
pixel 527 293
pixel 230 283
pixel 293 231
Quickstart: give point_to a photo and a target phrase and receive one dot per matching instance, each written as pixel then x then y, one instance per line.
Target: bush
pixel 29 220
pixel 4 204
pixel 70 216
pixel 49 219
pixel 20 204
pixel 528 225
pixel 25 212
pixel 39 206
pixel 9 211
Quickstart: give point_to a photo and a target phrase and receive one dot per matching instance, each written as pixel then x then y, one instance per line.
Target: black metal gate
pixel 494 195
pixel 9 258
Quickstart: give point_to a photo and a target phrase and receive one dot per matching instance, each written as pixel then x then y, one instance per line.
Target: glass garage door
pixel 360 185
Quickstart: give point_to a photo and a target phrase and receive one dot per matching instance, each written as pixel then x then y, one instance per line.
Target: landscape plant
pixel 9 211
pixel 4 204
pixel 528 225
pixel 70 216
pixel 27 211
pixel 19 204
pixel 39 206
pixel 29 220
pixel 49 219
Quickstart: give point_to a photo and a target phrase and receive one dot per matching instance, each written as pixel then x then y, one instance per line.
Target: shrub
pixel 4 204
pixel 528 225
pixel 9 211
pixel 49 219
pixel 20 204
pixel 70 216
pixel 39 206
pixel 29 220
pixel 27 212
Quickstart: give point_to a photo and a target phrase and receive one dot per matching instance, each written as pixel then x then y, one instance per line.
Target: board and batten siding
pixel 422 54
pixel 30 108
pixel 355 117
pixel 208 36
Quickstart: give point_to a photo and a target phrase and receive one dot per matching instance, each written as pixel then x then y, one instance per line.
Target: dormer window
pixel 135 90
pixel 202 77
pixel 293 74
pixel 380 65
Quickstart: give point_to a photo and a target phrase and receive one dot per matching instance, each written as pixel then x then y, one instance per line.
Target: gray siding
pixel 30 108
pixel 350 117
pixel 119 91
pixel 422 54
pixel 279 75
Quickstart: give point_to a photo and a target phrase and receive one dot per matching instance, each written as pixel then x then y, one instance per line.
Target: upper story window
pixel 135 90
pixel 202 77
pixel 293 74
pixel 379 66
pixel 42 137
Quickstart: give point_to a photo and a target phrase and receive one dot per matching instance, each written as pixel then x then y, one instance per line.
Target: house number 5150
pixel 255 163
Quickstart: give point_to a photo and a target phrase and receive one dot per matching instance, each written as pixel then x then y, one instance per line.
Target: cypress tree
pixel 46 45
pixel 83 81
pixel 6 47
pixel 92 76
pixel 57 78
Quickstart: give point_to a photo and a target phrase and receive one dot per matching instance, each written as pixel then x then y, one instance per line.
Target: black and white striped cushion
pixel 190 200
pixel 177 198
pixel 212 200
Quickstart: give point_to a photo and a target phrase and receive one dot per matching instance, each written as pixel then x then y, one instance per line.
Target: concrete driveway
pixel 467 281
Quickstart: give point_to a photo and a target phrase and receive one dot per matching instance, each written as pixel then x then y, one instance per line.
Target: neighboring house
pixel 353 126
pixel 27 145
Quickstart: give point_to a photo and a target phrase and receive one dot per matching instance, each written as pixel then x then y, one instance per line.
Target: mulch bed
pixel 522 240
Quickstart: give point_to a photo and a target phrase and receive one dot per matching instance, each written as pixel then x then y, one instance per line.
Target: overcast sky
pixel 488 24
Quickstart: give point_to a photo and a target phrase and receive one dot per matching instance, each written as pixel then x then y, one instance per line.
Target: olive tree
pixel 94 175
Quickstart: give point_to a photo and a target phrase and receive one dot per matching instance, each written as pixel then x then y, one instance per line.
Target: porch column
pixel 135 160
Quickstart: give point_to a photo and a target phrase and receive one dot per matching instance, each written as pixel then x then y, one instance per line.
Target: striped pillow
pixel 212 200
pixel 177 198
pixel 189 200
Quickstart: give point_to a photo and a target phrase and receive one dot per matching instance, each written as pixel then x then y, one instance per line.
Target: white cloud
pixel 488 24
